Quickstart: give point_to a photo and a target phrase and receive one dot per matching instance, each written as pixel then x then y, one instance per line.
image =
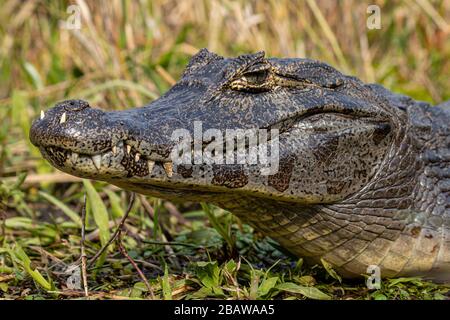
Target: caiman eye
pixel 253 81
pixel 256 77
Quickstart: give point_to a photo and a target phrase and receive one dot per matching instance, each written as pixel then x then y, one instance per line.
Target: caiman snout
pixel 74 125
pixel 78 138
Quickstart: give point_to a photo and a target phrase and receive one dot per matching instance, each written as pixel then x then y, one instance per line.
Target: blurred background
pixel 121 54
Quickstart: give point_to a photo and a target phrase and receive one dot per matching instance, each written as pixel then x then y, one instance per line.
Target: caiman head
pixel 333 134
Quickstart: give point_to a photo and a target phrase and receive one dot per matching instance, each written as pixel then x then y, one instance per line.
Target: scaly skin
pixel 364 176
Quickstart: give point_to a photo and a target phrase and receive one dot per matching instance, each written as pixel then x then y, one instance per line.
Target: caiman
pixel 363 176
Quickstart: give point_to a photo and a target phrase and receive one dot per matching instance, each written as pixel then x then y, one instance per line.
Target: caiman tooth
pixel 63 118
pixel 114 150
pixel 42 115
pixel 74 157
pixel 128 148
pixel 137 157
pixel 168 167
pixel 97 159
pixel 150 164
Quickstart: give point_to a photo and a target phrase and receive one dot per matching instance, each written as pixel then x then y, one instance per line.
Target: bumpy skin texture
pixel 364 176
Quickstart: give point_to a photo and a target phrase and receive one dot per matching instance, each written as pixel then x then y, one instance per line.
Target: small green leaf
pixel 415 280
pixel 330 270
pixel 138 289
pixel 35 274
pixel 309 292
pixel 202 293
pixel 307 281
pixel 438 296
pixel 210 276
pixel 298 265
pixel 267 285
pixel 379 296
pixel 208 273
pixel 230 266
pixel 5 269
pixel 4 286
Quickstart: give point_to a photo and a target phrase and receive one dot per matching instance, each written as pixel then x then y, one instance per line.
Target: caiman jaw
pixel 101 162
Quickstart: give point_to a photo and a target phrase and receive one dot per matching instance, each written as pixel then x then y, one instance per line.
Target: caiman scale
pixel 363 178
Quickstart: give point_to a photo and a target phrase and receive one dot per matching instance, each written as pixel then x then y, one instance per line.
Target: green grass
pixel 129 53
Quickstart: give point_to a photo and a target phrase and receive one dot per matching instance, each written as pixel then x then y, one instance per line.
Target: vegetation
pixel 128 53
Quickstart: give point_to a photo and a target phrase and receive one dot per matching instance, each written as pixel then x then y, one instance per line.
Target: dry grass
pixel 129 52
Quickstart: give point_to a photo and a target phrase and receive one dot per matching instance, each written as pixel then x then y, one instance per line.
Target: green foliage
pixel 329 268
pixel 69 212
pixel 127 66
pixel 21 259
pixel 12 196
pixel 165 284
pixel 308 292
pixel 99 212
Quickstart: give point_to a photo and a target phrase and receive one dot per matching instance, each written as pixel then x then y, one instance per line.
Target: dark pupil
pixel 257 76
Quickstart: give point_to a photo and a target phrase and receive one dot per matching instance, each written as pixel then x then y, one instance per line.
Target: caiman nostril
pixel 74 105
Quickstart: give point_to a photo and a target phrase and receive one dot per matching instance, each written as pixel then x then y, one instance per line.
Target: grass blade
pixel 26 263
pixel 67 211
pixel 116 209
pixel 99 212
pixel 166 289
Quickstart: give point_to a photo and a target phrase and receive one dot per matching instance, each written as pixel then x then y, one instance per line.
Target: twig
pixel 33 179
pixel 47 254
pixel 174 243
pixel 116 233
pixel 141 274
pixel 173 211
pixel 83 251
pixel 7 277
pixel 166 236
pixel 149 264
pixel 2 226
pixel 95 235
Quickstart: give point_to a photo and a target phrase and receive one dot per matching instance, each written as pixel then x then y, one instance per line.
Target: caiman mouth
pixel 121 154
pixel 143 174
